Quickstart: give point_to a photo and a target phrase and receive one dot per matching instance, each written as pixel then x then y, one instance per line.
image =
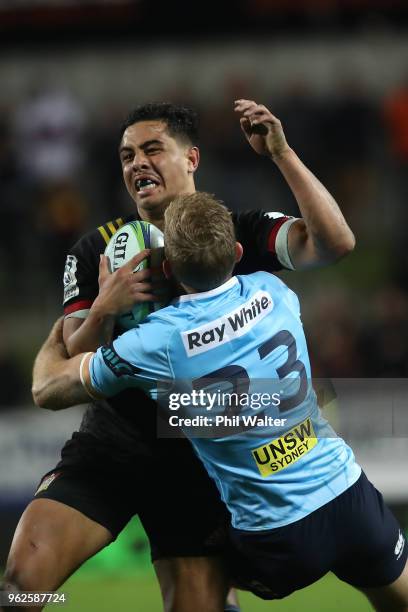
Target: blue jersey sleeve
pixel 138 358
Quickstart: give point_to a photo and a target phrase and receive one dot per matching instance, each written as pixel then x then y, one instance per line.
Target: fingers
pixel 253 112
pixel 125 287
pixel 136 260
pixel 244 106
pixel 145 297
pixel 149 292
pixel 127 269
pixel 104 265
pixel 142 288
pixel 139 287
pixel 139 276
pixel 245 126
pixel 56 331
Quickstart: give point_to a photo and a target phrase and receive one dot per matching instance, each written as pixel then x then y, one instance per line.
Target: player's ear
pixel 167 271
pixel 193 156
pixel 239 251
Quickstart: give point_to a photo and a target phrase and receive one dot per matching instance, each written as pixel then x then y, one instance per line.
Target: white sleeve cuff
pixel 87 386
pixel 281 244
pixel 78 314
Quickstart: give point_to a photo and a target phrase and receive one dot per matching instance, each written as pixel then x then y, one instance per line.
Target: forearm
pixel 56 380
pixel 325 235
pixel 58 391
pixel 95 330
pixel 322 235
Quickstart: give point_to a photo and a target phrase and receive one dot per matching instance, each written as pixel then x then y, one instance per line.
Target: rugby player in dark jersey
pixel 115 466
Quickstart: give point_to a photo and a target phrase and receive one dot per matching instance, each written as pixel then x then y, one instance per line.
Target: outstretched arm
pixel 56 378
pixel 322 235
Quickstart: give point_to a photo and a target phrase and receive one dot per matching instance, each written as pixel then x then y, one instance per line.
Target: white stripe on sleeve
pixel 281 244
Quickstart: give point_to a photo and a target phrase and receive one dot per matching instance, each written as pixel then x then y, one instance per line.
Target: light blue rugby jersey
pixel 248 329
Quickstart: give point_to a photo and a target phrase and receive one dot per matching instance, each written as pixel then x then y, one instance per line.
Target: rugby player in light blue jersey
pixel 300 504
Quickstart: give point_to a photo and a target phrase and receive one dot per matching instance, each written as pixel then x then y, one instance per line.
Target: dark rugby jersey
pixel 127 422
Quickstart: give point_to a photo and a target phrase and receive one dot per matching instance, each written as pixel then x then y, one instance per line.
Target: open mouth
pixel 145 184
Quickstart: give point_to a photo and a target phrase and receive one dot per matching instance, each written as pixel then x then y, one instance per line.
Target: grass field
pixel 87 594
pixel 121 579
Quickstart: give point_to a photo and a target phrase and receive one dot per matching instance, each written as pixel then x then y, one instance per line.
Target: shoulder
pixel 147 344
pixel 264 236
pixel 96 240
pixel 165 321
pixel 256 216
pixel 265 281
pixel 155 330
pixel 261 278
pixel 82 265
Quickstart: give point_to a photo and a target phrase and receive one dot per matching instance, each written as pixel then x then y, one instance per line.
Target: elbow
pixel 335 251
pixel 344 247
pixel 38 398
pixel 41 397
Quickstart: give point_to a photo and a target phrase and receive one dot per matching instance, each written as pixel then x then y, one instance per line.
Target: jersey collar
pixel 206 294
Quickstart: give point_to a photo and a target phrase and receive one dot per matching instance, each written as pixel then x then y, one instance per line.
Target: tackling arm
pixel 56 378
pixel 322 235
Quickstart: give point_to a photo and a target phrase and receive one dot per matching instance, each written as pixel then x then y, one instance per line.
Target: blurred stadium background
pixel 336 73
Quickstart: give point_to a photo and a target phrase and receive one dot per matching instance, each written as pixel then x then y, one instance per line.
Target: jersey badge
pixel 71 288
pixel 45 483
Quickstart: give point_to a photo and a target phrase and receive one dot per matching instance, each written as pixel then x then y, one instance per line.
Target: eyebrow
pixel 144 145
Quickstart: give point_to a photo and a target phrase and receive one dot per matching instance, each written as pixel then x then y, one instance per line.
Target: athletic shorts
pixel 178 504
pixel 355 536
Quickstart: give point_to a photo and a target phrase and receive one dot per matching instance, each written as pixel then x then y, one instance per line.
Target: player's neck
pixel 153 217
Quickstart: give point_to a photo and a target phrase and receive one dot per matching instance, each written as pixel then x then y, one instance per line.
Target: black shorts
pixel 355 536
pixel 178 505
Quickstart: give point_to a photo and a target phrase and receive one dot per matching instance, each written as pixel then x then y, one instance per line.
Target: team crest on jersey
pixel 46 482
pixel 71 288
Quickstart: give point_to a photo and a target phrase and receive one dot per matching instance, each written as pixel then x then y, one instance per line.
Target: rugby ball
pixel 128 241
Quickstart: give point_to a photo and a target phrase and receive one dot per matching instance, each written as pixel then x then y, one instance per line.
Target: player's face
pixel 156 167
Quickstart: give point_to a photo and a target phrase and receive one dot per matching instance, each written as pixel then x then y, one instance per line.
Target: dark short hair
pixel 182 121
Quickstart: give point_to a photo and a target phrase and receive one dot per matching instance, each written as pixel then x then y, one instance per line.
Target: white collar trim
pixel 205 294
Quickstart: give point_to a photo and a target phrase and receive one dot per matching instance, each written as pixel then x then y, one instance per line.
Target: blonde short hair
pixel 199 240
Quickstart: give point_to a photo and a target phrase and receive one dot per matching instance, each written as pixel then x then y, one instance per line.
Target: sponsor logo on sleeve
pixel 284 451
pixel 275 215
pixel 116 363
pixel 228 327
pixel 400 545
pixel 71 288
pixel 45 483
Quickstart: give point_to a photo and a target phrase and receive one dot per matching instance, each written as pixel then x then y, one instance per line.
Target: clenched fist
pixel 262 129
